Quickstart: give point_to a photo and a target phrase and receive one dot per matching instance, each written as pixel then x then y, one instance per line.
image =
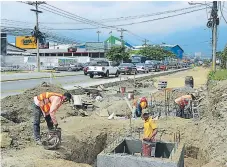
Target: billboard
pixel 29 42
pixel 26 42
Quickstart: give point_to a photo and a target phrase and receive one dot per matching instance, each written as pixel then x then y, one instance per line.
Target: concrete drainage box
pixel 127 153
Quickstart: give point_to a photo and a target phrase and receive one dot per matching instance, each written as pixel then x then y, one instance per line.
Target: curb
pixel 22 79
pixel 112 83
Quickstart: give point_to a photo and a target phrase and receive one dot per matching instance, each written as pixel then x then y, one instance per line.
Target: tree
pixel 118 53
pixel 222 56
pixel 156 53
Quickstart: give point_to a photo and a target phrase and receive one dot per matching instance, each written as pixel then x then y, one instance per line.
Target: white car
pixel 102 68
pixel 141 67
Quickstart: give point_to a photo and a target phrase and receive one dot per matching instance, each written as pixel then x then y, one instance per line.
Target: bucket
pixel 162 85
pixel 123 89
pixel 189 81
pixel 130 96
pixel 77 100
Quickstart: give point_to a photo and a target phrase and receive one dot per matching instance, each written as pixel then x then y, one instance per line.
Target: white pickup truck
pixel 103 68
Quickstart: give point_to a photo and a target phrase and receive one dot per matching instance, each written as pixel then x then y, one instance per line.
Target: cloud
pixel 102 10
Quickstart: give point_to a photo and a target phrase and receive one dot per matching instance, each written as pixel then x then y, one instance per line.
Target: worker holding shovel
pixel 150 131
pixel 47 104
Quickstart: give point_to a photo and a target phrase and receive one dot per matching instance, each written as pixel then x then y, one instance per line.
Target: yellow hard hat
pixel 143 104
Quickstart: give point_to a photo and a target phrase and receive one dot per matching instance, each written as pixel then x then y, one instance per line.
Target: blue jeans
pixel 138 111
pixel 37 112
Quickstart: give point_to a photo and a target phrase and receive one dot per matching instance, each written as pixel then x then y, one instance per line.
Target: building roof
pixel 116 41
pixel 171 46
pixel 13 48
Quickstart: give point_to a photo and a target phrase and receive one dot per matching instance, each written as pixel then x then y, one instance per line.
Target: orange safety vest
pixel 46 101
pixel 183 100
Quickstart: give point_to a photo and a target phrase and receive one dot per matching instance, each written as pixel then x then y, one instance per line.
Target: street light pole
pixel 98 32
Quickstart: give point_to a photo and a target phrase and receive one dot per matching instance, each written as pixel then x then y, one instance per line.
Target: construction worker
pixel 150 131
pixel 183 103
pixel 47 104
pixel 139 105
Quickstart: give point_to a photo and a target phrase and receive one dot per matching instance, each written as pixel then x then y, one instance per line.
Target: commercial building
pixel 176 49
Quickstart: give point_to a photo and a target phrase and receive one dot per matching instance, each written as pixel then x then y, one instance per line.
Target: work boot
pixel 38 142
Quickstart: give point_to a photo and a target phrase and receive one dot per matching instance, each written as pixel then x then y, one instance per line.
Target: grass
pixel 219 75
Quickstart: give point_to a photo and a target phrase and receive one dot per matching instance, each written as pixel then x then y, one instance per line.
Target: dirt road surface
pixel 177 80
pixel 84 137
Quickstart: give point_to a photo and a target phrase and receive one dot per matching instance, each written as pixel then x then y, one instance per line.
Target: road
pixel 67 82
pixel 15 87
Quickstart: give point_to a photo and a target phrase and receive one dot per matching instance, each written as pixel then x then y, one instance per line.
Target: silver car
pixel 67 67
pixel 141 67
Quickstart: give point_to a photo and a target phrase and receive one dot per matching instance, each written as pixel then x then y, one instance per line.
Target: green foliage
pixel 118 53
pixel 218 75
pixel 156 53
pixel 134 52
pixel 223 57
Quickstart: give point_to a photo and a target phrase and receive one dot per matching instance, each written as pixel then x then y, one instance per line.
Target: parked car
pixel 85 68
pixel 141 67
pixel 185 65
pixel 80 65
pixel 67 67
pixel 154 65
pixel 179 65
pixel 103 68
pixel 127 68
pixel 164 66
pixel 150 65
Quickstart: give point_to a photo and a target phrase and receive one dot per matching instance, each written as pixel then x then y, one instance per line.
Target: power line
pixel 222 11
pixel 124 18
pixel 77 16
pixel 127 24
pixel 129 32
pixel 148 15
pixel 206 11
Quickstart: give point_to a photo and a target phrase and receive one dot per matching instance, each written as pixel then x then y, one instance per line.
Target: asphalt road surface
pixel 67 82
pixel 15 87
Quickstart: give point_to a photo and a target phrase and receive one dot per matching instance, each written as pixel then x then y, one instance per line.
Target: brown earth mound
pixel 18 108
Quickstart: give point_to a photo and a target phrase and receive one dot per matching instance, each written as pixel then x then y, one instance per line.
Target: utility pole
pixel 122 43
pixel 36 3
pixel 213 22
pixel 98 32
pixel 214 15
pixel 145 42
pixel 122 30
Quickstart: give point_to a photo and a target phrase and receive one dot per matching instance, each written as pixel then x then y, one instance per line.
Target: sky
pixel 188 30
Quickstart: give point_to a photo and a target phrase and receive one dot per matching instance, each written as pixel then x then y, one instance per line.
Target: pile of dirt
pixel 218 99
pixel 17 108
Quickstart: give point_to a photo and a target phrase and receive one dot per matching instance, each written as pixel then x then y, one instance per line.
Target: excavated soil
pixel 18 108
pixel 84 137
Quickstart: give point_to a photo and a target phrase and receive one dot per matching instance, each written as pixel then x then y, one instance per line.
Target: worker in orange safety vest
pixel 47 104
pixel 183 101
